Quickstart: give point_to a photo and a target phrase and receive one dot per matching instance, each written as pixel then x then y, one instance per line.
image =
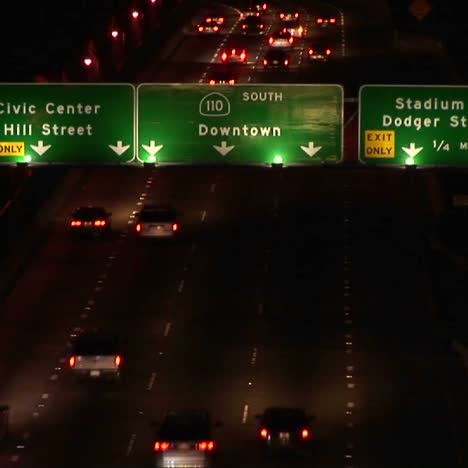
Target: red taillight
pixel 286 62
pixel 244 26
pixel 175 227
pixel 261 26
pixel 264 6
pixel 99 223
pixel 200 28
pixel 319 20
pixel 224 56
pixel 265 62
pixel 138 227
pixel 212 82
pixel 305 433
pixel 296 15
pixel 208 20
pixel 215 28
pixel 71 361
pixel 291 39
pixel 263 433
pixel 270 41
pixel 161 446
pixel 220 20
pixel 328 52
pixel 242 56
pixel 311 51
pixel 231 82
pixel 209 445
pixel 332 20
pixel 75 223
pixel 281 15
pixel 117 360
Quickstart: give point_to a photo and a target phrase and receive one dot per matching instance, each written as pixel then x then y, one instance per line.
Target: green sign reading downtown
pixel 422 125
pixel 241 124
pixel 67 123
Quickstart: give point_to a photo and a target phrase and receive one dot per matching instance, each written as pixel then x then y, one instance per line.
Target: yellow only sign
pixel 380 143
pixel 12 148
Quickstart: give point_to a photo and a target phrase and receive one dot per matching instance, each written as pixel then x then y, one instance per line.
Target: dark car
pixel 91 220
pixel 282 427
pixel 319 52
pixel 96 355
pixel 225 76
pixel 276 58
pixel 184 439
pixel 252 24
pixel 156 221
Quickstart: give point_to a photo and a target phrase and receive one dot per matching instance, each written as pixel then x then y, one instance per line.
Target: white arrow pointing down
pixel 412 151
pixel 152 148
pixel 119 148
pixel 223 149
pixel 311 149
pixel 40 148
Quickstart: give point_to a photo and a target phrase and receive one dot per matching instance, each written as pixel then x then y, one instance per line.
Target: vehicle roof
pixel 90 210
pixel 92 343
pixel 284 417
pixel 273 52
pixel 185 425
pixel 281 33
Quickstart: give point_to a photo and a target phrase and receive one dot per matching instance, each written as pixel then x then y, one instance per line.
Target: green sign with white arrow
pixel 67 123
pixel 409 124
pixel 240 124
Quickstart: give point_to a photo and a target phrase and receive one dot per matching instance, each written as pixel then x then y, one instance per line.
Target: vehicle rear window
pixel 93 346
pixel 185 427
pixel 157 215
pixel 89 213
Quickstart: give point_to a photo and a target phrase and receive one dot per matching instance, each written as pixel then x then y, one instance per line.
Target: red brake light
pixel 286 62
pixel 305 433
pixel 332 20
pixel 263 433
pixel 296 15
pixel 138 227
pixel 175 227
pixel 75 223
pixel 291 39
pixel 215 28
pixel 224 56
pixel 99 223
pixel 220 20
pixel 208 20
pixel 261 26
pixel 200 28
pixel 209 445
pixel 270 41
pixel 244 26
pixel 265 61
pixel 242 56
pixel 117 360
pixel 212 82
pixel 231 82
pixel 71 361
pixel 319 20
pixel 264 6
pixel 311 51
pixel 161 446
pixel 281 15
pixel 328 51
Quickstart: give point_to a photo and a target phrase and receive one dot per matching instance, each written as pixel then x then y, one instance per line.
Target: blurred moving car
pixel 281 38
pixel 184 440
pixel 284 427
pixel 221 77
pixel 233 55
pixel 289 14
pixel 250 10
pixel 252 24
pixel 326 21
pixel 209 26
pixel 295 28
pixel 276 58
pixel 156 221
pixel 319 53
pixel 96 355
pixel 91 220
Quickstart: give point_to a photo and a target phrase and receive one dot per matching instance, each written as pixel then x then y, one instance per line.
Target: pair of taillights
pixel 265 62
pixel 244 26
pixel 242 55
pixel 98 222
pixel 162 446
pixel 138 227
pixel 282 15
pixel 327 52
pixel 117 361
pixel 231 82
pixel 304 434
pixel 331 20
pixel 201 28
pixel 290 40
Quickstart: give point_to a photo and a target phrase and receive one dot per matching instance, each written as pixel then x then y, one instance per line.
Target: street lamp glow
pixel 27 159
pixel 152 159
pixel 278 159
pixel 409 161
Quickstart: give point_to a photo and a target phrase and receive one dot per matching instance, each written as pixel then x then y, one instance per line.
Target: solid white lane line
pixel 167 328
pixel 245 414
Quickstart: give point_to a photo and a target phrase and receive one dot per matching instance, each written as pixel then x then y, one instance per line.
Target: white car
pixel 295 29
pixel 156 221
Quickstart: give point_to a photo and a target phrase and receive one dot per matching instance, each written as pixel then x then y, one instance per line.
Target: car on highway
pixel 326 21
pixel 284 428
pixel 289 14
pixel 90 220
pixel 319 52
pixel 295 28
pixel 281 38
pixel 225 76
pixel 96 355
pixel 208 26
pixel 233 55
pixel 252 24
pixel 215 18
pixel 277 59
pixel 184 439
pixel 155 220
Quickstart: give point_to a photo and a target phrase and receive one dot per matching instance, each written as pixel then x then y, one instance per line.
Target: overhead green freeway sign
pixel 240 124
pixel 67 123
pixel 422 125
